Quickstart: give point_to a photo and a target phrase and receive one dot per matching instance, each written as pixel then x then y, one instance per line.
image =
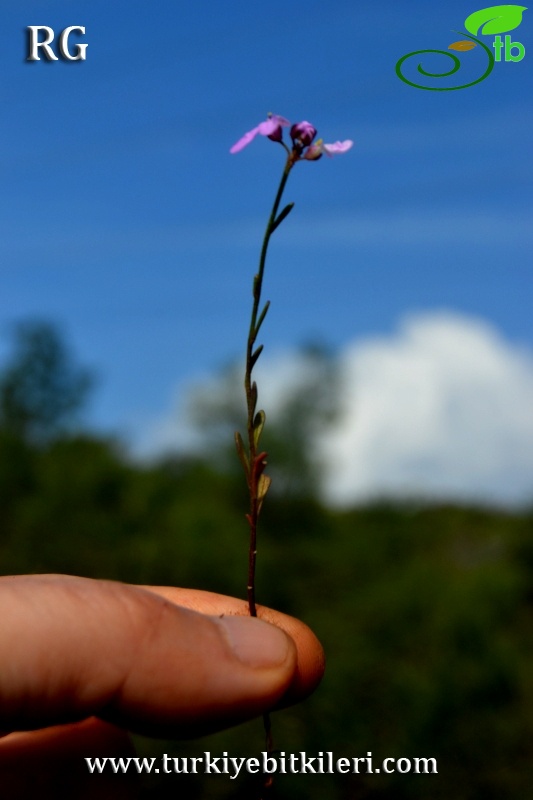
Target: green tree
pixel 41 388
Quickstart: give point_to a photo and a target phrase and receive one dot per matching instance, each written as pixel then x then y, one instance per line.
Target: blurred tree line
pixel 425 612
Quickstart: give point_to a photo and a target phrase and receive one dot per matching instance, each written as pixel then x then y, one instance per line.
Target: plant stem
pixel 256 461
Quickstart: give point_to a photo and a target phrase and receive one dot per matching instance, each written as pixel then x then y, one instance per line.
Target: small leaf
pixel 495 19
pixel 281 216
pixel 262 316
pixel 253 396
pixel 259 424
pixel 465 44
pixel 241 452
pixel 256 354
pixel 263 486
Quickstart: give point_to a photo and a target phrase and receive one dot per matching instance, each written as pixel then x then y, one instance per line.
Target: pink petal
pixel 272 124
pixel 266 128
pixel 281 120
pixel 337 147
pixel 244 140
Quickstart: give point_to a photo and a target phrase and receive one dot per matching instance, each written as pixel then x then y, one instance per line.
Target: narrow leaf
pixel 259 424
pixel 256 354
pixel 495 19
pixel 241 452
pixel 262 317
pixel 465 44
pixel 253 396
pixel 281 216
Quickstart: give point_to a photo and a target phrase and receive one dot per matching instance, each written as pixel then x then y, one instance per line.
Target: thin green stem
pixel 256 462
pixel 258 281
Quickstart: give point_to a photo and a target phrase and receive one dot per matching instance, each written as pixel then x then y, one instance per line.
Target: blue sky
pixel 126 221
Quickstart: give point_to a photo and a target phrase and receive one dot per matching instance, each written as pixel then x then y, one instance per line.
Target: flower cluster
pixel 302 135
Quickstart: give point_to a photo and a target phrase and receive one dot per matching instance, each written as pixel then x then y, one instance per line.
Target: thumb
pixel 80 648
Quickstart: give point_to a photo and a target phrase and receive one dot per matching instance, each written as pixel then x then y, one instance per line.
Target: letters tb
pixel 45 44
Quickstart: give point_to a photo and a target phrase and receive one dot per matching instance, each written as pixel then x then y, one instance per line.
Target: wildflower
pixel 272 127
pixel 302 135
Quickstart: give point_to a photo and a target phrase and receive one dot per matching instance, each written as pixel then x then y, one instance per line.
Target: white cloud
pixel 440 409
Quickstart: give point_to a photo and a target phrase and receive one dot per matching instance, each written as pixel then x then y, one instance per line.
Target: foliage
pixel 425 613
pixel 41 390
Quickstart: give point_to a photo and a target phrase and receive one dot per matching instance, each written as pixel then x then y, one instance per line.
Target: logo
pixel 487 22
pixel 80 50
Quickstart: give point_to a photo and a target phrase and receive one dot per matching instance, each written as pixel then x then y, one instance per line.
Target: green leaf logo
pixel 496 19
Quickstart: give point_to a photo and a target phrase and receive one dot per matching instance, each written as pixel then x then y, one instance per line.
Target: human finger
pixel 310 660
pixel 75 648
pixel 50 762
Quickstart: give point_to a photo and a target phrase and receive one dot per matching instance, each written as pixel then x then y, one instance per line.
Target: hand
pixel 84 661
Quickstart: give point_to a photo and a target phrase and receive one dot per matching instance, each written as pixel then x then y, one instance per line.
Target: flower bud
pixel 314 152
pixel 303 133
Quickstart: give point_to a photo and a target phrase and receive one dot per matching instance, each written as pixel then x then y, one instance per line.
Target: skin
pixel 86 661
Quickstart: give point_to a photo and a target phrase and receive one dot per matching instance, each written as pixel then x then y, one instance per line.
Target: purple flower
pixel 303 133
pixel 272 127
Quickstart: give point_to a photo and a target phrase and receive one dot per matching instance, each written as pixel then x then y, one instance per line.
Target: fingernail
pixel 256 643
